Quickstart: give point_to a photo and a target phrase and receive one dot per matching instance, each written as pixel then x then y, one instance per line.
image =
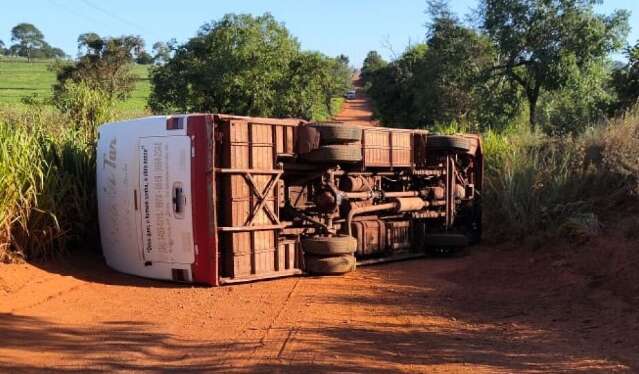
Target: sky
pixel 350 27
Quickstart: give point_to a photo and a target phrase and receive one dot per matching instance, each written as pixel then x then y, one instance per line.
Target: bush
pixel 88 107
pixel 106 66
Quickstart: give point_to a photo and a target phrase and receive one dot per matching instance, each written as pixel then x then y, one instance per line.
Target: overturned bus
pixel 218 199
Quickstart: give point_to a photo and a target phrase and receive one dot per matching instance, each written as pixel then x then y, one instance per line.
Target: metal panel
pixel 387 148
pixel 401 149
pixel 204 191
pixel 286 255
pixel 376 148
pixel 398 234
pixel 371 236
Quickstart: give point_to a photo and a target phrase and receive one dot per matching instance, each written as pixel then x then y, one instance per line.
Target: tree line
pixel 548 60
pixel 29 42
pixel 240 64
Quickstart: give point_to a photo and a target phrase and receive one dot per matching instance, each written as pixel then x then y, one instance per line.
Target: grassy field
pixel 19 79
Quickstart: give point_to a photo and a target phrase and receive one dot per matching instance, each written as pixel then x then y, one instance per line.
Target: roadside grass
pixel 323 115
pixel 538 187
pixel 47 177
pixel 18 79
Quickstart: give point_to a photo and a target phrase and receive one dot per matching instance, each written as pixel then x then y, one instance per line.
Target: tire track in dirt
pixel 33 291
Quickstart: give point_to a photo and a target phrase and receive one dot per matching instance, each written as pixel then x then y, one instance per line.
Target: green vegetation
pixel 19 78
pixel 561 138
pixel 105 66
pixel 30 43
pixel 489 76
pixel 47 175
pixel 574 37
pixel 248 66
pixel 626 81
pixel 539 186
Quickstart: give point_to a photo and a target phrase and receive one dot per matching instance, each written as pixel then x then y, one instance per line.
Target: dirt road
pixel 358 110
pixel 490 311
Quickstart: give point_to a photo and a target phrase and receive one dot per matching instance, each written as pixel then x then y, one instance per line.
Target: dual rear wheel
pixel 338 143
pixel 329 255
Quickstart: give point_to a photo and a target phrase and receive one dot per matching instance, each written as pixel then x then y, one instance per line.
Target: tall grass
pixel 541 186
pixel 47 182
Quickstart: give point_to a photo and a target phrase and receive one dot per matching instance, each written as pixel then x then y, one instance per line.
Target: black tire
pixel 334 265
pixel 448 142
pixel 338 133
pixel 329 245
pixel 335 153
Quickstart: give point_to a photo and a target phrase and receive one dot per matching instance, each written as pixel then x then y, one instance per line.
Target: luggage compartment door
pixel 165 200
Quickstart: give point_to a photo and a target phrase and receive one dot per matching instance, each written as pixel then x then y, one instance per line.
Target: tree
pixel 340 75
pixel 144 58
pixel 343 59
pixel 161 52
pixel 372 63
pixel 313 79
pixel 442 80
pixel 89 42
pixel 392 86
pixel 246 65
pixel 450 74
pixel 234 65
pixel 27 37
pixel 542 42
pixel 3 50
pixel 584 100
pixel 106 66
pixel 47 51
pixel 56 53
pixel 625 81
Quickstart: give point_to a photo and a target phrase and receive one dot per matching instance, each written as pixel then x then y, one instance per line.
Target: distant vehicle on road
pixel 350 95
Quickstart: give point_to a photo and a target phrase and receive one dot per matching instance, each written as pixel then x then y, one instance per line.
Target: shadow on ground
pixel 90 266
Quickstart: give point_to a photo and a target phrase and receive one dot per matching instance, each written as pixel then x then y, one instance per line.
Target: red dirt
pixel 493 310
pixel 358 110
